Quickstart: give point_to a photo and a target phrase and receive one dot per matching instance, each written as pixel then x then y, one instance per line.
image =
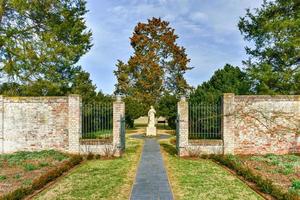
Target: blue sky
pixel 206 28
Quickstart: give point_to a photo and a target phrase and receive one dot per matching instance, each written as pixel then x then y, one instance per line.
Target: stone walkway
pixel 151 180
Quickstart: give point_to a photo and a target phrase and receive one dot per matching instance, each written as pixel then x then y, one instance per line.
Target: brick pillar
pixel 183 129
pixel 1 124
pixel 74 125
pixel 118 115
pixel 228 123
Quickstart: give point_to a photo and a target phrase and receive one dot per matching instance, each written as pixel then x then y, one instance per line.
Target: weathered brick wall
pixel 264 124
pixel 251 124
pixel 33 123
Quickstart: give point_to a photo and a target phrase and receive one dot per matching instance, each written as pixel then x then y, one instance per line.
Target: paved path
pixel 151 181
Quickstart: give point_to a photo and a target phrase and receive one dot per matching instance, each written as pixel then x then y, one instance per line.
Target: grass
pixel 2 177
pixel 30 167
pixel 101 134
pixel 99 179
pixel 203 179
pixel 19 158
pixel 296 184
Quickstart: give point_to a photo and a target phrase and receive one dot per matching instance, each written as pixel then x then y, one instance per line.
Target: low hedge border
pixel 264 185
pixel 40 182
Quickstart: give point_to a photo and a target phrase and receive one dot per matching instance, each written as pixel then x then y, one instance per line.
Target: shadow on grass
pixel 169 148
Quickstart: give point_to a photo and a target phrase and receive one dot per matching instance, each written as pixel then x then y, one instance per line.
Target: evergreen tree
pixel 274 61
pixel 41 41
pixel 167 107
pixel 82 85
pixel 230 79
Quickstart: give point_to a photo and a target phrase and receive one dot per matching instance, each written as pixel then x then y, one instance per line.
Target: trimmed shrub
pixel 263 185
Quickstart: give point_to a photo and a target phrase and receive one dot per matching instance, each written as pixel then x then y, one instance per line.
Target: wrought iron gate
pixel 122 133
pixel 97 121
pixel 205 120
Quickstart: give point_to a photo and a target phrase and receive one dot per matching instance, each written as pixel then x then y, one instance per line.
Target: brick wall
pixel 33 123
pixel 39 123
pixel 251 124
pixel 265 124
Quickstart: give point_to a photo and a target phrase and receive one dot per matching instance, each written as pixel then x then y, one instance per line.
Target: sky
pixel 206 28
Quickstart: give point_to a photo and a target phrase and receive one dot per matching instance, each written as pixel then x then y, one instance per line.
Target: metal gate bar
pixel 97 121
pixel 205 120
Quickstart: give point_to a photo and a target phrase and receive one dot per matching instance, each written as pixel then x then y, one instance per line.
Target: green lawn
pixel 203 179
pixel 99 179
pixel 100 134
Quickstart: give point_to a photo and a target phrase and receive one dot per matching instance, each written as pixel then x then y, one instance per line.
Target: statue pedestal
pixel 151 131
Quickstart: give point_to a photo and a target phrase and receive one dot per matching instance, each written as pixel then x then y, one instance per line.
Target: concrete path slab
pixel 151 180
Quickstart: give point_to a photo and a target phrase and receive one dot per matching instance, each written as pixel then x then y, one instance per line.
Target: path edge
pixel 162 152
pixel 137 166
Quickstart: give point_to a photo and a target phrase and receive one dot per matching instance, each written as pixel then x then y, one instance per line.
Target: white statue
pixel 151 117
pixel 151 129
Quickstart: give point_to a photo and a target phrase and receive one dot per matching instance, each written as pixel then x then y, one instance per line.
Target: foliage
pixel 41 41
pixel 82 85
pixel 134 109
pixel 167 107
pixel 40 44
pixel 274 61
pixel 265 185
pixel 157 66
pixel 230 79
pixel 30 167
pixel 296 185
pixel 2 177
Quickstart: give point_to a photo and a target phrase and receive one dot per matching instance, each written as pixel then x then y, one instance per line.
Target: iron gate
pixel 97 121
pixel 205 120
pixel 122 132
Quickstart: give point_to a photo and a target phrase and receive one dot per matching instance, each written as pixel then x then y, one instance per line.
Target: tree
pixel 167 107
pixel 230 79
pixel 274 61
pixel 133 110
pixel 82 85
pixel 79 84
pixel 157 66
pixel 41 41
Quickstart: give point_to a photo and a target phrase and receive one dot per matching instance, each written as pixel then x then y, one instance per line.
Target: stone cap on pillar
pixel 74 95
pixel 228 94
pixel 183 98
pixel 118 98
